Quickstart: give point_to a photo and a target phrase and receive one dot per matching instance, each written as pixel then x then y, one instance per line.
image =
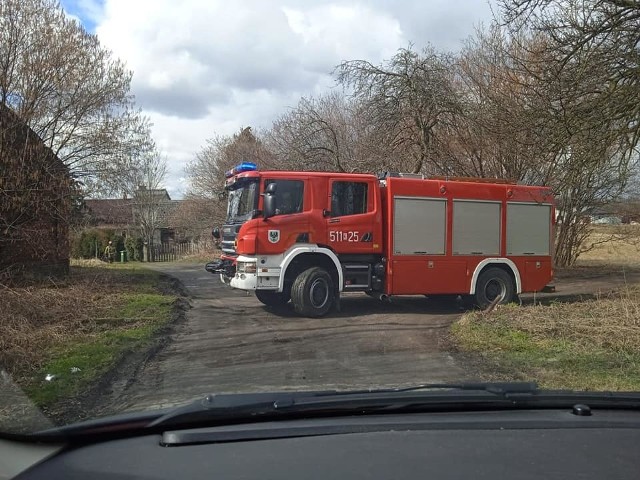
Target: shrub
pixel 91 240
pixel 133 245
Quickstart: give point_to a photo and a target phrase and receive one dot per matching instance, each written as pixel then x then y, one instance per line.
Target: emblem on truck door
pixel 274 236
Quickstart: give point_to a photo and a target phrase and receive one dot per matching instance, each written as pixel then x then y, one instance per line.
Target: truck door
pixel 353 216
pixel 280 232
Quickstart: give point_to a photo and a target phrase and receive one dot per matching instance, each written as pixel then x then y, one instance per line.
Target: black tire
pixel 494 282
pixel 272 299
pixel 312 292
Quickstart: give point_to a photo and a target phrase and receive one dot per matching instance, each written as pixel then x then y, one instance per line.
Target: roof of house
pixel 116 211
pixel 156 195
pixel 10 120
pixel 122 212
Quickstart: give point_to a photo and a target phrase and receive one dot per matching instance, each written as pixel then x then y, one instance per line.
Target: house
pixel 114 213
pixel 35 204
pixel 152 207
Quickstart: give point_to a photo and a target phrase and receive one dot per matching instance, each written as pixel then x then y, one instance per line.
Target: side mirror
pixel 269 209
pixel 216 233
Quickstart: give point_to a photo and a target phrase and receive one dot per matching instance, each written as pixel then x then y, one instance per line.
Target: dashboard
pixel 530 444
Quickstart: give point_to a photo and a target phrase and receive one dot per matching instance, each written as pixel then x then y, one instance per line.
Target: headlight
pixel 246 267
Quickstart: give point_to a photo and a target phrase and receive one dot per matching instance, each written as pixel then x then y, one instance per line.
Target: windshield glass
pixel 242 201
pixel 447 192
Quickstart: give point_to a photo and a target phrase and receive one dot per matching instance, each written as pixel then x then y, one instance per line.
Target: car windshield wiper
pixel 222 409
pixel 491 387
pixel 253 406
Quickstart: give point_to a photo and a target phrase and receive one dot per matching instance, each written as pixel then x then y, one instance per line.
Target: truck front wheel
pixel 494 284
pixel 272 299
pixel 312 292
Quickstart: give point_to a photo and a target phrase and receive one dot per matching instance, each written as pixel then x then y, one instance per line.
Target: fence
pixel 168 252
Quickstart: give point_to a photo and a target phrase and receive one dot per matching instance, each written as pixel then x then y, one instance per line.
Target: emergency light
pixel 243 167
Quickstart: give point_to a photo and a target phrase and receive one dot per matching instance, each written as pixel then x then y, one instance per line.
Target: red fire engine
pixel 308 236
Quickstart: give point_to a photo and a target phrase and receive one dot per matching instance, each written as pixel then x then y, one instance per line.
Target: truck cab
pixel 280 224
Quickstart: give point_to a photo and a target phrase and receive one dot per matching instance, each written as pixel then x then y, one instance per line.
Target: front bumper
pixel 253 275
pixel 244 281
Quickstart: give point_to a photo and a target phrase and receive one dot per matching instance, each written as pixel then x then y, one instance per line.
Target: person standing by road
pixel 110 252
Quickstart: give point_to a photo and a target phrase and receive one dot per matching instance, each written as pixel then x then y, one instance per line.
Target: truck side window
pixel 348 198
pixel 289 196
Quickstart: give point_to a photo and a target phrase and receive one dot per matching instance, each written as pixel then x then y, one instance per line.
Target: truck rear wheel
pixel 312 292
pixel 494 283
pixel 271 298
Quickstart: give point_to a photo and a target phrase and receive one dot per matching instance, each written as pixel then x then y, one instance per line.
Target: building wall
pixel 35 203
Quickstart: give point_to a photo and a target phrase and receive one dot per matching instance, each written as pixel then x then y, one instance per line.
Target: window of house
pixel 348 198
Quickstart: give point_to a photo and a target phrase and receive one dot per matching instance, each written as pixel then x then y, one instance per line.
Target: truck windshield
pixel 243 200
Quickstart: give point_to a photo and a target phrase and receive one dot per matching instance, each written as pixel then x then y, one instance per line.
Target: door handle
pixel 334 220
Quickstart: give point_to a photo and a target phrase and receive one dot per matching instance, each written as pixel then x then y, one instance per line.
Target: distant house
pixel 125 215
pixel 35 203
pixel 115 213
pixel 605 220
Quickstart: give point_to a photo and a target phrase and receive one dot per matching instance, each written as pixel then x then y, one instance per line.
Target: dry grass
pixel 611 322
pixel 77 331
pixel 613 245
pixel 90 262
pixel 585 345
pixel 38 318
pixel 589 345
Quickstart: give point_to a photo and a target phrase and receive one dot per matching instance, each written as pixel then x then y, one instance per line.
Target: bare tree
pixel 330 132
pixel 408 97
pixel 117 173
pixel 206 172
pixel 63 84
pixel 589 66
pixel 192 218
pixel 149 200
pixel 602 34
pixel 498 131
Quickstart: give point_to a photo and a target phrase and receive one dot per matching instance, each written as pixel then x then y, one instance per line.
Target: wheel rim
pixel 319 293
pixel 495 288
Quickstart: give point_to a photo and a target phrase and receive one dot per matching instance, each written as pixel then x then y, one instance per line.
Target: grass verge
pixel 588 345
pixel 78 330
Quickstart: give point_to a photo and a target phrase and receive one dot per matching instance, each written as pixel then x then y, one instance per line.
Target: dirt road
pixel 230 342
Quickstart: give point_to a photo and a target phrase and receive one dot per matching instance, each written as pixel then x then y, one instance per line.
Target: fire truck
pixel 308 237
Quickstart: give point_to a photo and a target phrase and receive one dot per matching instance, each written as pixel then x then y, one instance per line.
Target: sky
pixel 203 68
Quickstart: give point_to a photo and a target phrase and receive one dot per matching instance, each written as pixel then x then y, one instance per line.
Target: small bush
pixel 134 246
pixel 91 243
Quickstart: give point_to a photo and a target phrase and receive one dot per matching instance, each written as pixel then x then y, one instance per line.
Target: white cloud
pixel 206 67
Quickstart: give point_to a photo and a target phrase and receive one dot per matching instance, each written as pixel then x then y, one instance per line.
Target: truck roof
pixel 290 173
pixel 368 176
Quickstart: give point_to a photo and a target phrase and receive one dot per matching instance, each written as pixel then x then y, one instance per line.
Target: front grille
pixel 228 247
pixel 229 235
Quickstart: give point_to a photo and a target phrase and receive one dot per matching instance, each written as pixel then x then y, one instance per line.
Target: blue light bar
pixel 243 167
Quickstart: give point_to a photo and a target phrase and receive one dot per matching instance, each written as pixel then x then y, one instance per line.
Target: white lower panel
pixel 244 281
